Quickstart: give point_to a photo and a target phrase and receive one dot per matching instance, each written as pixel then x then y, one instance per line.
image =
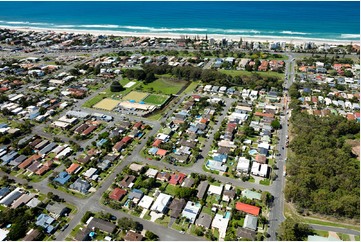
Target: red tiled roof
pixel 89 129
pixel 177 178
pixel 161 152
pixel 28 161
pixel 157 142
pixel 268 115
pixel 72 168
pixel 138 125
pixel 248 208
pixel 350 117
pixel 117 194
pixel 126 139
pixel 42 170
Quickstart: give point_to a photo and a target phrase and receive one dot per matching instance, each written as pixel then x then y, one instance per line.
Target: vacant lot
pixel 165 85
pixel 136 96
pixel 107 104
pixel 155 99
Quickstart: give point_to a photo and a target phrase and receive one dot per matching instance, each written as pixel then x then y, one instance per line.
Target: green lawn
pixel 251 179
pixel 248 73
pixel 322 233
pixel 357 238
pixel 191 87
pixel 164 86
pixel 265 182
pixel 207 210
pixel 170 189
pixel 164 221
pixel 108 94
pixel 328 223
pixel 344 237
pixel 156 99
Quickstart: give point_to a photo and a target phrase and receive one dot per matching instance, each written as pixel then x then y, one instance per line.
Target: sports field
pixel 136 96
pixel 156 99
pixel 107 104
pixel 165 86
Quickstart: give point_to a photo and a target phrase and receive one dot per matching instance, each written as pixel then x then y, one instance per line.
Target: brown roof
pixel 35 142
pixel 42 170
pixel 90 129
pixel 261 158
pixel 33 235
pixel 29 160
pixel 269 115
pixel 176 207
pixel 81 128
pixel 127 180
pixel 133 236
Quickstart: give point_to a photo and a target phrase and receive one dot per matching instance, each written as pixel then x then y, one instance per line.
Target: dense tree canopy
pixel 116 87
pixel 324 174
pixel 290 230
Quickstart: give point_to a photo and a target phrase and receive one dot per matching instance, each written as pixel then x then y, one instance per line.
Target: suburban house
pixel 250 209
pixel 161 203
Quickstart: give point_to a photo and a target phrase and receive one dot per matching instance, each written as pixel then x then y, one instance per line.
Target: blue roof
pixel 306 89
pixel 44 220
pixel 220 157
pixel 4 191
pixel 132 101
pixel 101 142
pixel 153 150
pixel 3 125
pixel 8 157
pixel 63 177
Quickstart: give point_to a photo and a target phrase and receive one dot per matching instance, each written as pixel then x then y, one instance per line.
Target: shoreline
pixel 293 40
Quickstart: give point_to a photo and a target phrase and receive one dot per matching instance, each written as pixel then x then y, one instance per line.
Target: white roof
pixel 255 168
pixel 90 172
pixel 60 124
pixel 221 224
pixel 264 170
pixel 63 153
pixel 161 202
pixel 215 189
pixel 151 172
pixel 67 120
pixel 3 234
pixel 162 136
pixel 146 202
pixel 264 145
pixel 191 211
pixel 243 164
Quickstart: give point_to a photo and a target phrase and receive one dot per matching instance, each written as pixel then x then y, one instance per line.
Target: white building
pixel 146 202
pixel 161 203
pixel 243 164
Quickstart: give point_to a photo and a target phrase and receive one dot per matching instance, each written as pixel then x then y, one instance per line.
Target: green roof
pixel 320 238
pixel 251 195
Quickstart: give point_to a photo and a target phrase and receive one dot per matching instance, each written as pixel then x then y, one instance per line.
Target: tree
pixel 290 230
pixel 116 87
pixel 128 223
pixel 150 77
pixel 275 124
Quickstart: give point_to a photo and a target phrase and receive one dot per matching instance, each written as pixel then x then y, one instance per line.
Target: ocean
pixel 291 20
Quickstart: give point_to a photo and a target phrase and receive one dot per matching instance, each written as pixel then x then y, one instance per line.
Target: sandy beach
pixel 262 39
